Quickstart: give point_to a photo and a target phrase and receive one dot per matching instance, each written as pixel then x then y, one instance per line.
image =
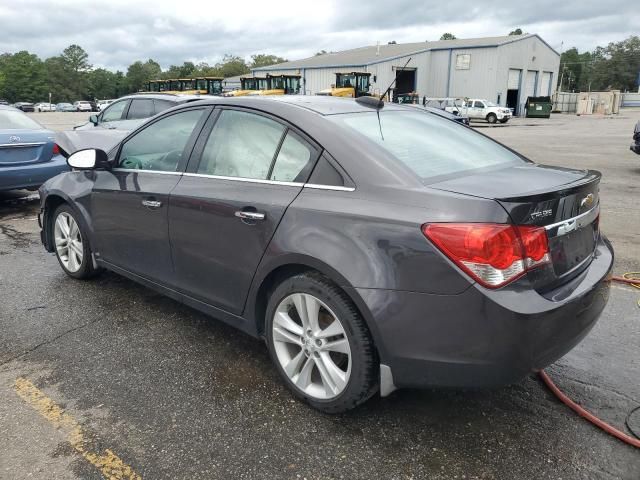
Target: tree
pixel 448 36
pixel 186 70
pixel 231 66
pixel 102 84
pixel 517 31
pixel 76 65
pixel 616 66
pixel 264 60
pixel 139 74
pixel 575 70
pixel 24 77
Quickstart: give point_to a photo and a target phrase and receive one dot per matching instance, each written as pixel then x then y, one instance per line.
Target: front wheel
pixel 72 248
pixel 504 120
pixel 320 344
pixel 491 118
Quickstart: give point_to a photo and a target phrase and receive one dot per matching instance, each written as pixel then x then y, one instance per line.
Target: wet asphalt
pixel 176 394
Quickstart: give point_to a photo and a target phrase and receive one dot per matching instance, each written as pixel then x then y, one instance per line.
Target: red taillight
pixel 493 254
pixel 56 149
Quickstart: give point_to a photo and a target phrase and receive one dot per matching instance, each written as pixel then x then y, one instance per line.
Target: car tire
pixel 71 245
pixel 504 120
pixel 333 377
pixel 492 118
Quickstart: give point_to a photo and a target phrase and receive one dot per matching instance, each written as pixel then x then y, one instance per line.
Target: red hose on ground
pixel 633 279
pixel 634 442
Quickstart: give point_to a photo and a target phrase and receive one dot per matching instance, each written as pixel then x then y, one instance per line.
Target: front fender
pixel 73 188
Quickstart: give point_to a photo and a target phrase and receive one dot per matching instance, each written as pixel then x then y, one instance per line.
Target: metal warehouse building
pixel 505 70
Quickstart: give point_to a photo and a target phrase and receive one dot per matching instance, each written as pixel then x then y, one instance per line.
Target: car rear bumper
pixel 33 175
pixel 483 338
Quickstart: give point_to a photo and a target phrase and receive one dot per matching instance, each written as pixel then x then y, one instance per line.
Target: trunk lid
pixel 563 201
pixel 18 147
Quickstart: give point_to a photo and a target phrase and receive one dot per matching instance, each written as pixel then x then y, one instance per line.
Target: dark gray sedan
pixel 372 248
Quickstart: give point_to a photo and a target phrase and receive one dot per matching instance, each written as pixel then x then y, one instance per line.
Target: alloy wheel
pixel 68 241
pixel 312 346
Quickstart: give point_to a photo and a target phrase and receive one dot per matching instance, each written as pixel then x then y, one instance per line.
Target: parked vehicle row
pixel 372 246
pixel 79 106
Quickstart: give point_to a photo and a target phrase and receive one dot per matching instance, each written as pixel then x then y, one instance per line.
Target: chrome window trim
pixel 573 224
pixel 139 170
pixel 22 145
pixel 245 179
pixel 329 187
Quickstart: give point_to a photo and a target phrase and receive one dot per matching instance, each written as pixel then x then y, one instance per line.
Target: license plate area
pixel 570 250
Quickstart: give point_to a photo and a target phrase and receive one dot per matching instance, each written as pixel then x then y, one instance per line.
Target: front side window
pixel 114 112
pixel 241 144
pixel 478 104
pixel 160 146
pixel 140 108
pixel 429 145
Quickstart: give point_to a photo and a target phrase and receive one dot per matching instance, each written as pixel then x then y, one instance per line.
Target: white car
pixel 44 107
pixel 82 106
pixel 102 104
pixel 481 109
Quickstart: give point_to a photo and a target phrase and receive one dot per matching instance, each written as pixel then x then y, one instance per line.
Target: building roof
pixel 369 55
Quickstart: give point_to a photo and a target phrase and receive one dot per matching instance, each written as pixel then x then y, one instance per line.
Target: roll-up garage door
pixel 545 84
pixel 530 84
pixel 514 80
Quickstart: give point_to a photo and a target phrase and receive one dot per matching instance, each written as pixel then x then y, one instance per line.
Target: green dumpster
pixel 538 107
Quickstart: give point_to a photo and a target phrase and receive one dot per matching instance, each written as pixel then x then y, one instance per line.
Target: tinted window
pixel 427 144
pixel 241 145
pixel 140 108
pixel 160 145
pixel 294 157
pixel 12 119
pixel 478 104
pixel 114 112
pixel 162 105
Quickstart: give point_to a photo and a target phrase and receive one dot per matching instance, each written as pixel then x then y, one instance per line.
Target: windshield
pixel 13 120
pixel 429 145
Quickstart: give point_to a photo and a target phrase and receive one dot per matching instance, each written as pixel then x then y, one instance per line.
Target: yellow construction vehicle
pixel 192 86
pixel 248 85
pixel 352 84
pixel 280 85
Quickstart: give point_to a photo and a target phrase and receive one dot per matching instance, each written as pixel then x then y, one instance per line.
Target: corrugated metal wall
pixel 529 54
pixel 437 76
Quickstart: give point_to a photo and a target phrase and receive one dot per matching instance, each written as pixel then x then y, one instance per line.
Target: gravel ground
pixel 175 394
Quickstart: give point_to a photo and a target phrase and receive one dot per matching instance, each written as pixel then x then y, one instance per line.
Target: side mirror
pixel 89 159
pixel 94 119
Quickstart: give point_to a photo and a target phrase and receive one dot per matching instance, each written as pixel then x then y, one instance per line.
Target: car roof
pixel 171 97
pixel 320 104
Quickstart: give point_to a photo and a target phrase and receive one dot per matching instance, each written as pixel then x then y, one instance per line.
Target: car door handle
pixel 152 203
pixel 246 215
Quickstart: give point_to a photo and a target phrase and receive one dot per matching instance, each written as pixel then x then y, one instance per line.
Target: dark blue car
pixel 28 154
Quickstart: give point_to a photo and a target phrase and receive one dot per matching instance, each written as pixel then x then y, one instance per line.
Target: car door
pixel 129 202
pixel 246 169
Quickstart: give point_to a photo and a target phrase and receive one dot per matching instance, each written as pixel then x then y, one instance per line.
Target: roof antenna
pixel 394 81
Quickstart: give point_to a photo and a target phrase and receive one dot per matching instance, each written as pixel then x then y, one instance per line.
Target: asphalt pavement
pixel 107 379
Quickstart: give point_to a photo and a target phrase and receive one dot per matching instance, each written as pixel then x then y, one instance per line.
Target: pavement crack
pixel 49 341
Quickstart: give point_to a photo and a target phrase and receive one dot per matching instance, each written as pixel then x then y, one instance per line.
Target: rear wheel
pixel 72 248
pixel 491 118
pixel 320 344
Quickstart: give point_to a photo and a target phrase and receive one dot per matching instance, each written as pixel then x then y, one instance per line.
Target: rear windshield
pixel 11 119
pixel 429 145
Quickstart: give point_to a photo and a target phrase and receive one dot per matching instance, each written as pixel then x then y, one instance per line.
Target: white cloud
pixel 117 32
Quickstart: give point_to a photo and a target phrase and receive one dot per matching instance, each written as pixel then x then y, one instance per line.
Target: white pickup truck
pixel 480 109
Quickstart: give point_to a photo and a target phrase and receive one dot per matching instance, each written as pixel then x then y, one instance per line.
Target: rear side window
pixel 140 108
pixel 294 160
pixel 241 144
pixel 161 105
pixel 13 119
pixel 429 145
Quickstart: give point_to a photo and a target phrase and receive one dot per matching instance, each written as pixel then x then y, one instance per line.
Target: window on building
pixel 463 61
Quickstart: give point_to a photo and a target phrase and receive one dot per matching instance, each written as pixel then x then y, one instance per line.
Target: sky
pixel 118 32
